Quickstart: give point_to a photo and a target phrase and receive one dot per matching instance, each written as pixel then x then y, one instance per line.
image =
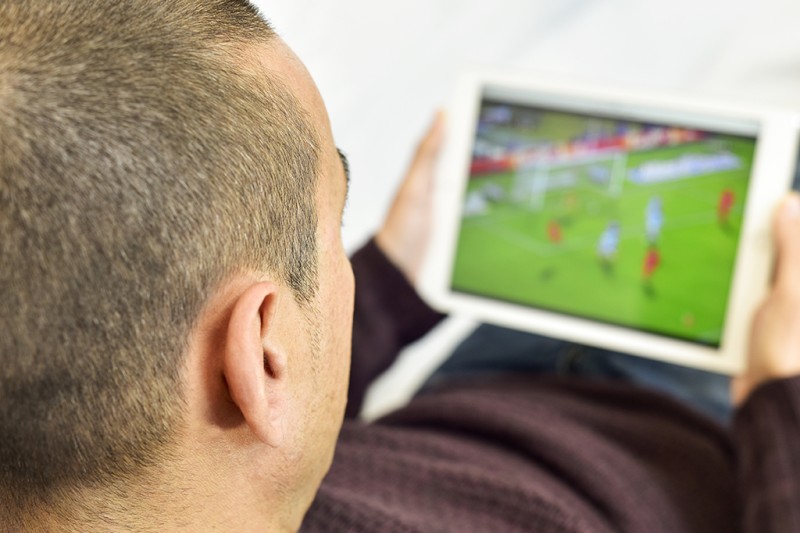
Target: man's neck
pixel 192 503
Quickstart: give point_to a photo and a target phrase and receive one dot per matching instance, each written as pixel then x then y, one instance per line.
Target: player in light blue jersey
pixel 607 246
pixel 654 220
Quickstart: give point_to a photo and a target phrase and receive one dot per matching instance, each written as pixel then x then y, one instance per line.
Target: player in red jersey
pixel 726 201
pixel 652 260
pixel 554 233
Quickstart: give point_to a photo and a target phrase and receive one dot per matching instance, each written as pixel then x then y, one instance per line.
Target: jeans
pixel 496 350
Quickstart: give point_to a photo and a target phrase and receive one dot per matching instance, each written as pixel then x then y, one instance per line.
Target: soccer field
pixel 507 250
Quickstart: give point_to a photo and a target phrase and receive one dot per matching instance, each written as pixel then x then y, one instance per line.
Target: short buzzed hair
pixel 142 162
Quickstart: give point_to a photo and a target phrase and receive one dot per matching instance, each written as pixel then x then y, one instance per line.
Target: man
pixel 726 201
pixel 176 301
pixel 554 234
pixel 654 220
pixel 607 246
pixel 652 259
pixel 176 317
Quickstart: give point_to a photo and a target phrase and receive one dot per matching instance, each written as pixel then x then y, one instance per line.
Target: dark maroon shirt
pixel 546 454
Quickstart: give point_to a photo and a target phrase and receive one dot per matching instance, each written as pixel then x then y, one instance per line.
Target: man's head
pixel 171 261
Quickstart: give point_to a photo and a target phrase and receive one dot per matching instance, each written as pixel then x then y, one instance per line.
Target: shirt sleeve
pixel 389 314
pixel 767 433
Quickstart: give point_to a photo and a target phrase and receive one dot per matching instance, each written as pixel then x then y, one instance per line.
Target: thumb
pixel 787 242
pixel 430 145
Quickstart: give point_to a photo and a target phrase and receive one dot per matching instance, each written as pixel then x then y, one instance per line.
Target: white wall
pixel 383 67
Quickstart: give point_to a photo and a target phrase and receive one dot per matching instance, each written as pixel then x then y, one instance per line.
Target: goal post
pixel 533 181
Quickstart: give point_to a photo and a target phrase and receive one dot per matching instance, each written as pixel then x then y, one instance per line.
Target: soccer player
pixel 554 233
pixel 475 204
pixel 652 260
pixel 654 220
pixel 607 246
pixel 726 201
pixel 492 192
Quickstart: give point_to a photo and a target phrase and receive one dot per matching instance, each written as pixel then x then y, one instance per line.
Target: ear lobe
pixel 255 377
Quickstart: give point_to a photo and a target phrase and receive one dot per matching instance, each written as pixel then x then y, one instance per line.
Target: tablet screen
pixel 622 221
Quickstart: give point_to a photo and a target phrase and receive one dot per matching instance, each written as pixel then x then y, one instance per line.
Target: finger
pixel 419 176
pixel 787 241
pixel 431 142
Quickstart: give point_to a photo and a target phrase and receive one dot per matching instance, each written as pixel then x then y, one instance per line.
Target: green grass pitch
pixel 505 251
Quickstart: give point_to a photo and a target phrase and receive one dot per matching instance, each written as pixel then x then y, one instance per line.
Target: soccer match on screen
pixel 629 223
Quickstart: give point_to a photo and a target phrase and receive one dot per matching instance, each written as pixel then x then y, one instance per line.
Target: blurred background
pixel 383 68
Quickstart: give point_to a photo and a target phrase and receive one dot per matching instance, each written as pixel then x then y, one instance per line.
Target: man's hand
pixel 405 232
pixel 775 334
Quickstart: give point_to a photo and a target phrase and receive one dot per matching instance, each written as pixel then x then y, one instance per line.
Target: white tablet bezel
pixel 776 131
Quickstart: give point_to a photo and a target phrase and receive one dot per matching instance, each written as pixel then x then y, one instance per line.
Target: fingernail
pixel 791 206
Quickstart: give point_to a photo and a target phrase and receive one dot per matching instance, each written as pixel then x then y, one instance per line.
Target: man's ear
pixel 255 370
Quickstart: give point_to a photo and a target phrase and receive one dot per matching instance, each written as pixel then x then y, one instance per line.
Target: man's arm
pixel 767 424
pixel 767 433
pixel 389 315
pixel 388 312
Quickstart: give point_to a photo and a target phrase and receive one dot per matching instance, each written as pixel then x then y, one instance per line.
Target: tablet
pixel 616 218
